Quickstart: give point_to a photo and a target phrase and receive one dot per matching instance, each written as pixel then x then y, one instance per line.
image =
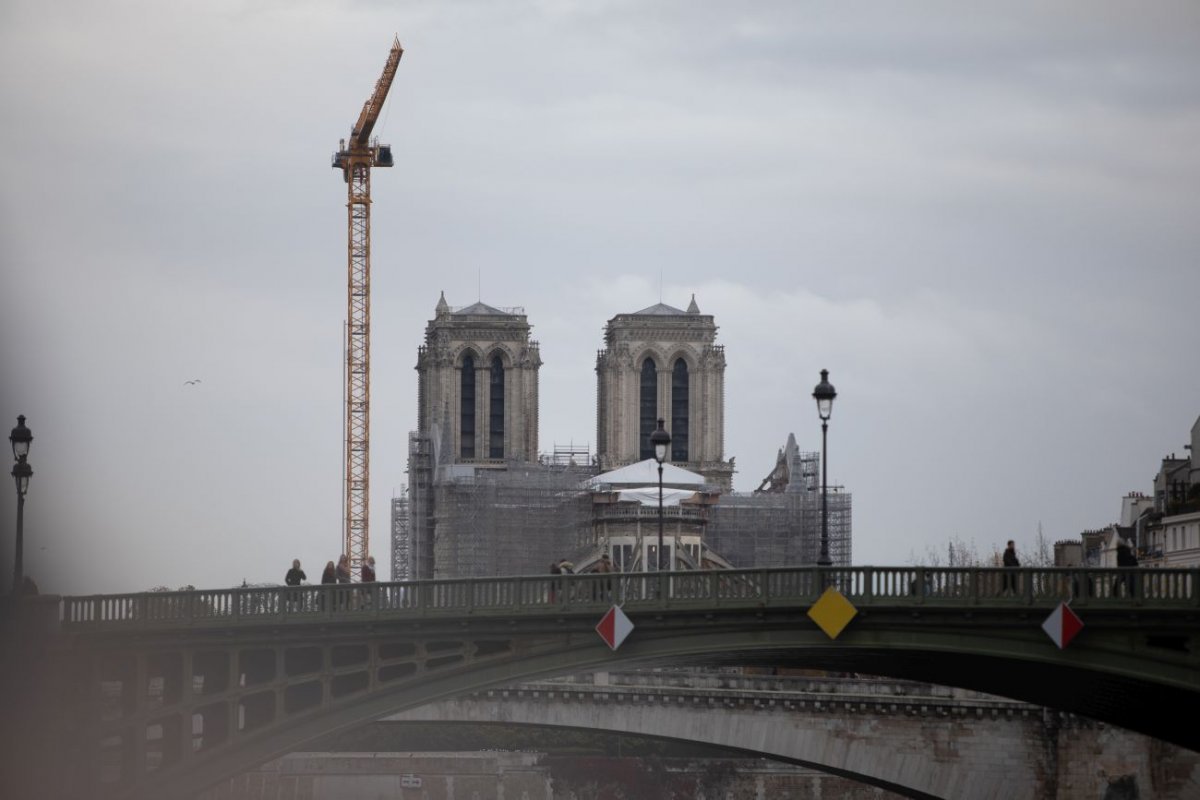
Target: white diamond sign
pixel 614 627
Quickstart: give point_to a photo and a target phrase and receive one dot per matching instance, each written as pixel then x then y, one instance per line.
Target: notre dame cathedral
pixel 483 500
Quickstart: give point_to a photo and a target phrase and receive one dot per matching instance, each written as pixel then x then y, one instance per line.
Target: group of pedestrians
pixel 600 589
pixel 332 575
pixel 336 574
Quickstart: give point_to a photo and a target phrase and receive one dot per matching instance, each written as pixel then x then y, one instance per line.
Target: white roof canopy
pixel 645 473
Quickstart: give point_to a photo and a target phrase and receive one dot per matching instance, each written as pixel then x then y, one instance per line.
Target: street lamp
pixel 20 438
pixel 824 394
pixel 661 441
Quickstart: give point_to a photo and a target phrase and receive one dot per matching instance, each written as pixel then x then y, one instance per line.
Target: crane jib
pixel 371 109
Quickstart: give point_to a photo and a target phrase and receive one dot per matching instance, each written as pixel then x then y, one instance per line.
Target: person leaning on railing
pixel 293 578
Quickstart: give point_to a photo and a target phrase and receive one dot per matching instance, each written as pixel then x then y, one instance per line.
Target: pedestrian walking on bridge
pixel 1010 565
pixel 368 576
pixel 329 576
pixel 604 587
pixel 1126 558
pixel 343 576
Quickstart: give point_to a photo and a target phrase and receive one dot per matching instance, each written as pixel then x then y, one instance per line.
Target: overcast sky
pixel 982 221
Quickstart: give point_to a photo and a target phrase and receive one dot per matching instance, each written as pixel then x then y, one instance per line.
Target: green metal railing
pixel 559 594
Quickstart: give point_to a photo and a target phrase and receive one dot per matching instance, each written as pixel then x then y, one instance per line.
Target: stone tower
pixel 663 362
pixel 477 386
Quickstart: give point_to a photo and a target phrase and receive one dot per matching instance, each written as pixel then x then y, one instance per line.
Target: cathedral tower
pixel 477 386
pixel 661 362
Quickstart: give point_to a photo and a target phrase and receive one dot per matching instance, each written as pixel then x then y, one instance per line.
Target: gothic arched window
pixel 649 407
pixel 466 426
pixel 496 410
pixel 679 411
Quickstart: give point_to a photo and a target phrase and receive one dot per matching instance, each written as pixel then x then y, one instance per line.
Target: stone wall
pixel 532 776
pixel 1089 763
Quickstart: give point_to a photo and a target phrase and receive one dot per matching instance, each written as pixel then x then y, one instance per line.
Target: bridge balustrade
pixel 951 586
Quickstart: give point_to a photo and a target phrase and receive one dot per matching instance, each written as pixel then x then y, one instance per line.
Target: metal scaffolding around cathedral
pixel 780 521
pixel 482 501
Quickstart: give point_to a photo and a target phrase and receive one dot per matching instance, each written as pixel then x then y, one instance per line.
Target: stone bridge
pixel 161 695
pixel 917 740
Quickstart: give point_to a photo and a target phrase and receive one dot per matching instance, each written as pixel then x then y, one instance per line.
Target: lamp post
pixel 824 394
pixel 661 441
pixel 20 439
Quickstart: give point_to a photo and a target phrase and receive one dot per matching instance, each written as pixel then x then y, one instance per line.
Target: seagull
pixel 190 383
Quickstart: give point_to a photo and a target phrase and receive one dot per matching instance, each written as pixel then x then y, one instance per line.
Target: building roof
pixel 661 310
pixel 481 308
pixel 645 473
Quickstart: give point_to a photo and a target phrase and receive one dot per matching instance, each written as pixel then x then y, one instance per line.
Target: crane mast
pixel 355 157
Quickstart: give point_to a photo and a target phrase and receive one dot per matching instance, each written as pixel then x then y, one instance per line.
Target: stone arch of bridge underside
pixel 825 751
pixel 1105 678
pixel 940 756
pixel 916 746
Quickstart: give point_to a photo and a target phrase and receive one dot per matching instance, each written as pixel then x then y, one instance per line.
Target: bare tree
pixel 958 553
pixel 1042 553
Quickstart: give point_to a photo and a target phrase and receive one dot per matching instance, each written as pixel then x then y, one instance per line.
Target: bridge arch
pixel 911 739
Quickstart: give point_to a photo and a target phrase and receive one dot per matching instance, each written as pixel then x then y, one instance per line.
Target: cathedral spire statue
pixel 692 307
pixel 442 306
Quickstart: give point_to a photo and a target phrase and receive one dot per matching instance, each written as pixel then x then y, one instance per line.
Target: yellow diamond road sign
pixel 832 612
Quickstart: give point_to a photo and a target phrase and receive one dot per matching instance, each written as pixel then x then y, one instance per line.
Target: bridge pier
pixel 212 721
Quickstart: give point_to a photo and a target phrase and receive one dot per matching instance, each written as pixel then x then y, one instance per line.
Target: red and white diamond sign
pixel 1062 625
pixel 614 627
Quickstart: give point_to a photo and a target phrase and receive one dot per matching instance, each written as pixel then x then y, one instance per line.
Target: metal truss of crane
pixel 355 157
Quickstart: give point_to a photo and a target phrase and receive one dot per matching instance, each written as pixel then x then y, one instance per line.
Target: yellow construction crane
pixel 354 158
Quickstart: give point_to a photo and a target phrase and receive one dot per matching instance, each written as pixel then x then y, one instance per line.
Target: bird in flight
pixel 190 383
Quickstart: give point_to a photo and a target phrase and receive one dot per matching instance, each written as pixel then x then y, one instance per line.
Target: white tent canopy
pixel 644 474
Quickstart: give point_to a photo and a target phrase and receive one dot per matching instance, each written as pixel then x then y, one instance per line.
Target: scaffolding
pixel 468 520
pixel 779 524
pixel 419 547
pixel 568 455
pixel 401 538
pixel 508 522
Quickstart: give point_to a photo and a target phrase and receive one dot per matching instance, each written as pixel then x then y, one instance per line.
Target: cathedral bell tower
pixel 477 386
pixel 662 362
